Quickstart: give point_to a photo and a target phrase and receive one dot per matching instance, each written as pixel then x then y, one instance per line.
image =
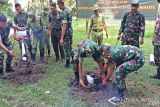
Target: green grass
pixel 57 78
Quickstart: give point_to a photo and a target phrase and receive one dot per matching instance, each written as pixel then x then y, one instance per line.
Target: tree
pixel 6 8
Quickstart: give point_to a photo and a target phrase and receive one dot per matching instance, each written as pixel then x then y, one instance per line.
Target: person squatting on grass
pixel 127 59
pixel 6 45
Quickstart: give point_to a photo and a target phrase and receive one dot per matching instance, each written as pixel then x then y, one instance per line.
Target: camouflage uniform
pixel 4 33
pixel 56 23
pixel 38 36
pixel 157 45
pixel 97 28
pixel 86 48
pixel 45 21
pixel 20 19
pixel 127 59
pixel 132 26
pixel 67 18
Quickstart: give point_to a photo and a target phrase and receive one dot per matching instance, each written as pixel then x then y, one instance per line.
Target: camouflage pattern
pixel 127 59
pixel 38 35
pixel 45 21
pixel 157 40
pixel 132 27
pixel 67 18
pixel 87 48
pixel 4 34
pixel 20 19
pixel 97 28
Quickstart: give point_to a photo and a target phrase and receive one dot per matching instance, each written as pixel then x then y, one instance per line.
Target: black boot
pixel 42 57
pixel 67 65
pixel 33 59
pixel 9 68
pixel 75 82
pixel 49 53
pixel 2 76
pixel 157 75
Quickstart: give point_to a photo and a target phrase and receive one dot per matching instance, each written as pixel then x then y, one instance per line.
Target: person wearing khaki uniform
pixel 97 24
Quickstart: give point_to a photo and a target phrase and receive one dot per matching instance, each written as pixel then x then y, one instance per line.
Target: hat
pixel 3 18
pixel 60 1
pixel 53 4
pixel 135 3
pixel 95 7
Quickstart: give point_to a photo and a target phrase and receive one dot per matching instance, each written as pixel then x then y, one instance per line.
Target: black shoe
pixel 10 69
pixel 2 76
pixel 57 59
pixel 67 65
pixel 75 82
pixel 155 76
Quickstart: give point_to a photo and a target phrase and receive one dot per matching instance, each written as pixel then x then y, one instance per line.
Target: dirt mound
pixel 94 97
pixel 26 73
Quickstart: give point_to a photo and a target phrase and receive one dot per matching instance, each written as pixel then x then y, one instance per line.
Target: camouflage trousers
pixel 9 58
pixel 68 44
pixel 127 67
pixel 133 43
pixel 157 55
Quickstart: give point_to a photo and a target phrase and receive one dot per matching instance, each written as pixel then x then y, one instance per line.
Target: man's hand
pixel 61 42
pixel 141 41
pixel 16 38
pixel 153 39
pixel 119 37
pixel 10 52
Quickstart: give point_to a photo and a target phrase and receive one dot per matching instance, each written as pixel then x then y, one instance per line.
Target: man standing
pixel 97 24
pixel 36 28
pixel 132 26
pixel 55 27
pixel 20 19
pixel 66 38
pixel 45 21
pixel 156 44
pixel 86 48
pixel 127 59
pixel 5 44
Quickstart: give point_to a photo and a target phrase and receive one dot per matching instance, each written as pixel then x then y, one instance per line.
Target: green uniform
pixel 38 36
pixel 132 27
pixel 45 21
pixel 96 24
pixel 127 59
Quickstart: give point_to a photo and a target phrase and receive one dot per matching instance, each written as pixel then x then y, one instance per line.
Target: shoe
pixel 155 76
pixel 34 62
pixel 41 60
pixel 57 59
pixel 2 76
pixel 9 69
pixel 67 65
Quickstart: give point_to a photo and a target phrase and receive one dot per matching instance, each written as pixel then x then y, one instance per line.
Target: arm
pixel 142 29
pixel 49 28
pixel 100 63
pixel 121 30
pixel 90 27
pixel 104 26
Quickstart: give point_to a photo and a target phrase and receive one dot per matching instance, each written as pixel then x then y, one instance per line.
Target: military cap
pixel 60 1
pixel 95 7
pixel 3 18
pixel 53 4
pixel 135 3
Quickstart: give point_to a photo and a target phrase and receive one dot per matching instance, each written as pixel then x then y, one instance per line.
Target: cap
pixel 3 18
pixel 60 1
pixel 95 7
pixel 135 3
pixel 53 4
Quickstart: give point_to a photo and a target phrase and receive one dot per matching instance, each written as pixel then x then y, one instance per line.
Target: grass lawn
pixel 142 90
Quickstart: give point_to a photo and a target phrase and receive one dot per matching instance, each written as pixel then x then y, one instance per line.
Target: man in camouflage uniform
pixel 66 38
pixel 55 27
pixel 127 59
pixel 132 26
pixel 97 24
pixel 156 44
pixel 86 48
pixel 20 19
pixel 38 36
pixel 5 44
pixel 45 21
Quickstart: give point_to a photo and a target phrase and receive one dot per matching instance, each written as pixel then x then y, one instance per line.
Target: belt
pixel 56 30
pixel 97 30
pixel 45 27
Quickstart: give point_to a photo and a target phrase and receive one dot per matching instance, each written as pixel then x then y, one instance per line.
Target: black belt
pixel 56 30
pixel 45 27
pixel 97 30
